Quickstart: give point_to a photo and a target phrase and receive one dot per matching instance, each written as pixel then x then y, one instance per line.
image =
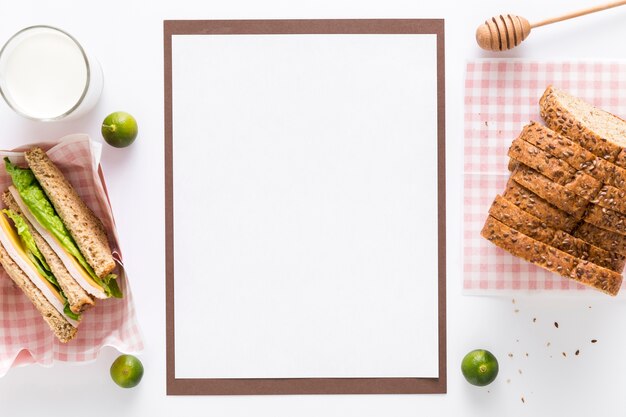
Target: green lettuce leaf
pixel 37 202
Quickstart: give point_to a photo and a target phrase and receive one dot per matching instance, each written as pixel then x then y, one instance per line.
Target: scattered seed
pixel 523 400
pixel 513 301
pixel 486 124
pixel 548 345
pixel 577 352
pixel 534 319
pixel 526 354
pixel 556 324
pixel 517 310
pixel 593 340
pixel 510 355
pixel 564 354
pixel 520 371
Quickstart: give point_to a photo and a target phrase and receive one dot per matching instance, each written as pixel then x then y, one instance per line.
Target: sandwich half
pixel 78 299
pixel 53 207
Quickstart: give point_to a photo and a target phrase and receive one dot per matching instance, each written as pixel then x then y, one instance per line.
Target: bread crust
pixel 550 258
pixel 605 239
pixel 86 229
pixel 561 120
pixel 510 215
pixel 79 300
pixel 555 169
pixel 531 203
pixel 575 155
pixel 554 193
pixel 61 328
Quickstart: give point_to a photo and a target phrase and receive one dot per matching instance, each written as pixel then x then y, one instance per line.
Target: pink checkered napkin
pixel 24 336
pixel 501 96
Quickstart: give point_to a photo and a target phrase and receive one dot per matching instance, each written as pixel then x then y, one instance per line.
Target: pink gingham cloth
pixel 501 96
pixel 24 336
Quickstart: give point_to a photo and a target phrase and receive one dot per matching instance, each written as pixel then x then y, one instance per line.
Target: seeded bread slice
pixel 555 169
pixel 594 129
pixel 61 328
pixel 531 203
pixel 86 229
pixel 576 156
pixel 550 258
pixel 552 192
pixel 606 219
pixel 509 214
pixel 77 297
pixel 607 240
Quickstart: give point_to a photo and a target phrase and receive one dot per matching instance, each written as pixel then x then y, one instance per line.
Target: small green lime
pixel 127 371
pixel 119 129
pixel 480 367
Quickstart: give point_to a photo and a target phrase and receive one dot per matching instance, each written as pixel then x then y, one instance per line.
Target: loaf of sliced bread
pixel 509 214
pixel 551 258
pixel 594 129
pixel 531 203
pixel 554 193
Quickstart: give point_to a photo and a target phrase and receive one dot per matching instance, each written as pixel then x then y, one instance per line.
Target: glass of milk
pixel 45 74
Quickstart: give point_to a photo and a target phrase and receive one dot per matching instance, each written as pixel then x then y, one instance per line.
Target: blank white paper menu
pixel 305 205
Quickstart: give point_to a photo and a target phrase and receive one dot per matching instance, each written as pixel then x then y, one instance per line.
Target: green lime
pixel 480 367
pixel 119 129
pixel 127 371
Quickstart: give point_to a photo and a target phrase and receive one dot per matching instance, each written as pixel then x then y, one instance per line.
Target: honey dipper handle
pixel 578 13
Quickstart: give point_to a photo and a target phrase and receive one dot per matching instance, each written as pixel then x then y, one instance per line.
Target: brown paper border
pixel 208 386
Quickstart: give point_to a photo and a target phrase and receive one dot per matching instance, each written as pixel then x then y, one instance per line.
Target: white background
pixel 312 206
pixel 127 37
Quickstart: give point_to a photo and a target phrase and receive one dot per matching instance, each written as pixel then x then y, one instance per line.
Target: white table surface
pixel 127 38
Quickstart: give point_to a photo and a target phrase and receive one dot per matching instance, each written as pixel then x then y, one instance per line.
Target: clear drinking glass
pixel 46 75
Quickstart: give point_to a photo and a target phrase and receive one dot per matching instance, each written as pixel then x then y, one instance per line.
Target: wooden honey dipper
pixel 507 31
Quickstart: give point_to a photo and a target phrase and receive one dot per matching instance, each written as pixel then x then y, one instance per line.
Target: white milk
pixel 45 74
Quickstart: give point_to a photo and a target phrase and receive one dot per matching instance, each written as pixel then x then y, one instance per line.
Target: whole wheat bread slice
pixel 552 192
pixel 509 214
pixel 538 207
pixel 550 258
pixel 605 239
pixel 79 300
pixel 575 155
pixel 606 219
pixel 594 129
pixel 61 328
pixel 86 229
pixel 555 169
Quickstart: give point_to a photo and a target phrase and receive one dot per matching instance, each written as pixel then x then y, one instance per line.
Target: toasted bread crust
pixel 61 328
pixel 77 297
pixel 86 229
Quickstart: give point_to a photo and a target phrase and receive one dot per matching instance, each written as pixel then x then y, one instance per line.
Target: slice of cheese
pixel 14 247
